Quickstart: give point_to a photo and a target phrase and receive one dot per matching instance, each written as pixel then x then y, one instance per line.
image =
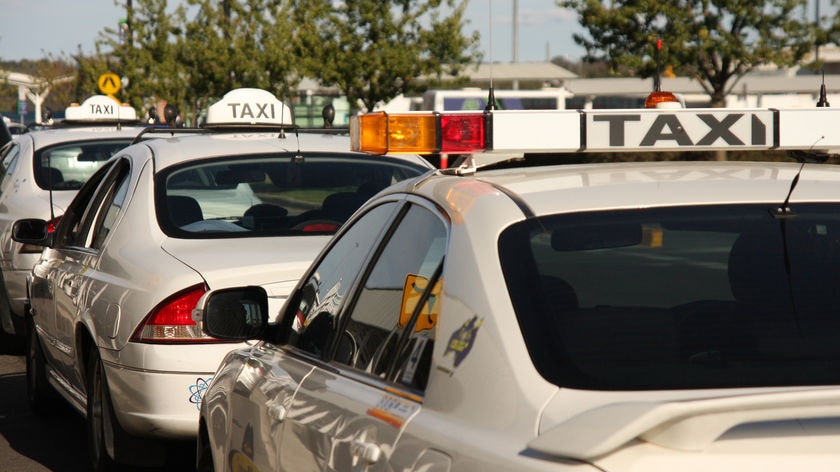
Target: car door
pixel 78 239
pixel 352 409
pixel 11 156
pixel 260 394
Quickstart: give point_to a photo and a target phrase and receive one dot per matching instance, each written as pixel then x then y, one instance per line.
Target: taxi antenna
pixel 823 101
pixel 282 134
pixel 657 85
pixel 298 156
pixel 491 96
pixel 50 184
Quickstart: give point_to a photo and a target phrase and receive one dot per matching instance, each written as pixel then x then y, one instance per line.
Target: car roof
pixel 559 182
pixel 180 148
pixel 630 185
pixel 612 186
pixel 50 136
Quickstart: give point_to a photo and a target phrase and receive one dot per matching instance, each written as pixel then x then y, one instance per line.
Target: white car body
pixel 96 294
pixel 24 196
pixel 635 371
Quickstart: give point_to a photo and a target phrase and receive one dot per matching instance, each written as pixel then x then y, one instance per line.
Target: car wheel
pixel 100 416
pixel 204 459
pixel 43 399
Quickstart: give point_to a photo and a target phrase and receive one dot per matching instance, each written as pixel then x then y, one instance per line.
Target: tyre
pixel 12 343
pixel 43 399
pixel 109 445
pixel 100 416
pixel 204 460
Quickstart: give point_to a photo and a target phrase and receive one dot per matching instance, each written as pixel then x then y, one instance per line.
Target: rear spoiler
pixel 690 425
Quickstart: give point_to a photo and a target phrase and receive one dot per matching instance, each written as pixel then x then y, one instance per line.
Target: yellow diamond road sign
pixel 109 83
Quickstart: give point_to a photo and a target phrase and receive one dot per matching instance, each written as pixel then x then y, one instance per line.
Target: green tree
pixel 145 51
pixel 232 44
pixel 373 50
pixel 714 41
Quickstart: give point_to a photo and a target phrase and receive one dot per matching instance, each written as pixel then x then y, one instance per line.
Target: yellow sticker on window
pixel 413 289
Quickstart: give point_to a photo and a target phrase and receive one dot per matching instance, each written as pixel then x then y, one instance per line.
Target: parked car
pixel 636 316
pixel 40 172
pixel 248 199
pixel 5 131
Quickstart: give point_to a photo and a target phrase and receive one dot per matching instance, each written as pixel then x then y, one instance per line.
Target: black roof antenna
pixel 811 156
pixel 823 102
pixel 282 134
pixel 50 184
pixel 657 77
pixel 491 96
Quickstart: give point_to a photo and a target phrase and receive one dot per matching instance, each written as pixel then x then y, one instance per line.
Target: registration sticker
pixel 393 410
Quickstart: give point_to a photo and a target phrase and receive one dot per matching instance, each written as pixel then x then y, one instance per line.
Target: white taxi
pixel 644 316
pixel 249 199
pixel 40 172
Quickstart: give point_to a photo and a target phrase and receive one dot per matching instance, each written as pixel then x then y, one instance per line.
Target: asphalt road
pixel 30 443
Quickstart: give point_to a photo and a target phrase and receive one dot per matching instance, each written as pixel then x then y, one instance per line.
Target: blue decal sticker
pixel 197 391
pixel 462 340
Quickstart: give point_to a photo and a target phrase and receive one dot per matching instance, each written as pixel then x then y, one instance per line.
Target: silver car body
pixel 486 406
pixel 95 299
pixel 22 195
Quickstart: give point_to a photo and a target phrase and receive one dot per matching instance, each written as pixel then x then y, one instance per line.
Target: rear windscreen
pixel 281 194
pixel 67 166
pixel 690 297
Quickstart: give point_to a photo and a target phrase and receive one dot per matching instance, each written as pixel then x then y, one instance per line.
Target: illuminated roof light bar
pixel 661 99
pixel 517 132
pixel 369 133
pixel 462 133
pixel 418 133
pixel 412 133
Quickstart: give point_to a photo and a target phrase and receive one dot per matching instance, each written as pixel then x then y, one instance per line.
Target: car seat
pixel 183 210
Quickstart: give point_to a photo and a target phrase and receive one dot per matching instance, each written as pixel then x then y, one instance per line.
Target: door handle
pixel 366 451
pixel 275 410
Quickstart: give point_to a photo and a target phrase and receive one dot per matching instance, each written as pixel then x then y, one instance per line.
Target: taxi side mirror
pixel 32 231
pixel 235 314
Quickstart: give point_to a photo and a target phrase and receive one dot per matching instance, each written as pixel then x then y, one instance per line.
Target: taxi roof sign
pixel 249 107
pixel 98 109
pixel 605 130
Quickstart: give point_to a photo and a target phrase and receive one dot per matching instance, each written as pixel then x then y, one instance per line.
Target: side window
pixel 391 329
pixel 112 206
pixel 10 159
pixel 77 220
pixel 314 318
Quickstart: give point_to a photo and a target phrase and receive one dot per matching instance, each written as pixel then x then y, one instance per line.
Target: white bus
pixel 476 99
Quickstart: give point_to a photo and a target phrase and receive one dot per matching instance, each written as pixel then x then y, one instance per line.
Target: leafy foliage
pixel 374 50
pixel 714 41
pixel 370 50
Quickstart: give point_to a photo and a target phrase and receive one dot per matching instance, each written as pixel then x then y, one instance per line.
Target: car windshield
pixel 67 166
pixel 698 297
pixel 305 193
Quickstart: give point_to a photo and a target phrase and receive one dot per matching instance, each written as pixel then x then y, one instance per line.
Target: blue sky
pixel 31 29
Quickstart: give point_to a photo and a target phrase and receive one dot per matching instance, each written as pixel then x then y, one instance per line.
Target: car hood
pixel 275 263
pixel 668 430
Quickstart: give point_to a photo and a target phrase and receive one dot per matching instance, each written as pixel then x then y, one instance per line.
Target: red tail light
pixel 320 227
pixel 171 321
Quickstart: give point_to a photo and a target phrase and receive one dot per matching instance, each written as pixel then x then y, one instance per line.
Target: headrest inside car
pixel 587 237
